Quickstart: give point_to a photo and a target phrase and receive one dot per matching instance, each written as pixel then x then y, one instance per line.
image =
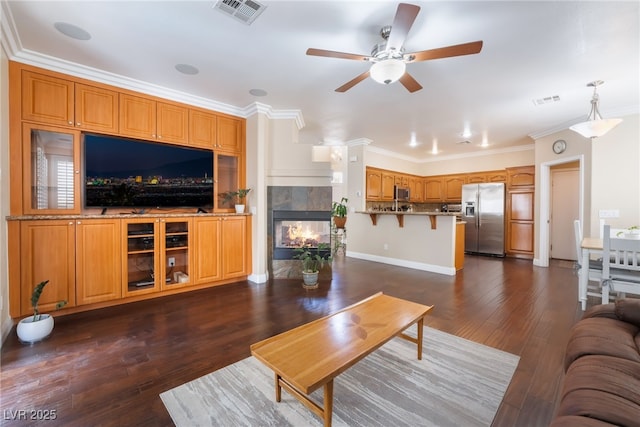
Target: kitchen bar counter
pixel 408 240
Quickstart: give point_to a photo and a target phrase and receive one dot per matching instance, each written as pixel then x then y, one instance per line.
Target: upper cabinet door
pixel 96 109
pixel 137 116
pixel 173 123
pixel 47 99
pixel 229 134
pixel 202 129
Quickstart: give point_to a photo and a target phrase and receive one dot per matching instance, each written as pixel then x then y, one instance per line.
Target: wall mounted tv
pixel 120 172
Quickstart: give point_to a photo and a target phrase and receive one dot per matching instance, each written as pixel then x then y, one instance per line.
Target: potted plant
pixel 339 212
pixel 39 326
pixel 237 198
pixel 313 259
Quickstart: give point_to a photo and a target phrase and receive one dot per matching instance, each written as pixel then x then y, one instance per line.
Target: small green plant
pixel 235 197
pixel 313 259
pixel 339 209
pixel 632 229
pixel 35 297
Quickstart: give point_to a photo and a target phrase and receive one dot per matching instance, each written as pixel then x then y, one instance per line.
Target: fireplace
pixel 296 229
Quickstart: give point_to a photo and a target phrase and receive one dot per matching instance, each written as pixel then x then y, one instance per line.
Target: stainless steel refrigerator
pixel 483 211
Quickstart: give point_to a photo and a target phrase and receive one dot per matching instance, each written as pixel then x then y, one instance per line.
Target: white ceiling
pixel 532 50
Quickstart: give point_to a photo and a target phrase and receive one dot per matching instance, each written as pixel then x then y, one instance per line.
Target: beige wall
pixel 5 320
pixel 483 161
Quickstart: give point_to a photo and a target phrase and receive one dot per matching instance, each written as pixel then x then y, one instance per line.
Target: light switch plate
pixel 609 213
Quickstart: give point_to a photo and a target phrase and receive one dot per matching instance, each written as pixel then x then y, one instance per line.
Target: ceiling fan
pixel 389 59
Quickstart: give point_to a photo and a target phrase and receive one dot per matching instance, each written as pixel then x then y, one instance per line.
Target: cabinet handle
pixel 70 122
pixel 78 124
pixel 79 222
pixel 70 222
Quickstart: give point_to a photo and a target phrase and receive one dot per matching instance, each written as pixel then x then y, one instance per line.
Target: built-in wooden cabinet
pixel 51 100
pixel 520 211
pixel 47 252
pixel 388 183
pixel 98 258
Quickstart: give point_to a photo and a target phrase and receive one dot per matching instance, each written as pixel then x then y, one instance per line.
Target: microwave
pixel 401 193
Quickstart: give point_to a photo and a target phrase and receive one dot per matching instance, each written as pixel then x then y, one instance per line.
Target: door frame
pixel 552 209
pixel 545 205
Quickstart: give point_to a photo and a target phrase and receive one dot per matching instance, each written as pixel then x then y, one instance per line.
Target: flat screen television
pixel 121 172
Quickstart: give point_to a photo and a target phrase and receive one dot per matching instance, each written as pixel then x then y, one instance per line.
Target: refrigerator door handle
pixel 478 210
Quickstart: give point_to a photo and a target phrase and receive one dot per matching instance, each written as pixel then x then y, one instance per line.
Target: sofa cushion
pixel 604 388
pixel 577 421
pixel 604 336
pixel 628 310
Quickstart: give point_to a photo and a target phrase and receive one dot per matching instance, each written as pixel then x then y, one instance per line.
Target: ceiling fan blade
pixel 345 87
pixel 402 22
pixel 410 83
pixel 446 52
pixel 334 54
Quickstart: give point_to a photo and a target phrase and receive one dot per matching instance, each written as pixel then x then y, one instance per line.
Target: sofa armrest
pixel 628 310
pixel 601 310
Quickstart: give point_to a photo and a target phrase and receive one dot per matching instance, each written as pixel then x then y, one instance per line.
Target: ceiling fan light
pixel 387 71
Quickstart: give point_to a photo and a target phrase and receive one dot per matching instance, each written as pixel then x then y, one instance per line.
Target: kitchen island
pixel 421 240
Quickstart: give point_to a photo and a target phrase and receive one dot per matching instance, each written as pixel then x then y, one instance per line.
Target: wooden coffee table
pixel 312 355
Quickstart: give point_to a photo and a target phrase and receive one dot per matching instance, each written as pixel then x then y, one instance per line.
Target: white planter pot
pixel 239 208
pixel 310 280
pixel 30 331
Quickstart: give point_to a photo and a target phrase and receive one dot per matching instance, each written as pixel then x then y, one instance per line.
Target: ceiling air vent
pixel 466 141
pixel 245 11
pixel 546 100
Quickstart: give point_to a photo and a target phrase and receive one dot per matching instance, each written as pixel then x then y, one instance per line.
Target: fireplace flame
pixel 300 236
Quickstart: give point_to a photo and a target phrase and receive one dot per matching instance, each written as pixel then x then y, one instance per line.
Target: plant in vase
pixel 39 326
pixel 313 259
pixel 236 198
pixel 339 212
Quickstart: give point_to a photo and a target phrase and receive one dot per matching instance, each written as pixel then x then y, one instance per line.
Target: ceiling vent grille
pixel 466 141
pixel 546 100
pixel 245 11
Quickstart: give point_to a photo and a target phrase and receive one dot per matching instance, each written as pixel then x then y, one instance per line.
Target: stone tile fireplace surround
pixel 304 199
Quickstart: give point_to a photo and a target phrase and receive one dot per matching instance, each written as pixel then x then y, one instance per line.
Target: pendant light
pixel 595 125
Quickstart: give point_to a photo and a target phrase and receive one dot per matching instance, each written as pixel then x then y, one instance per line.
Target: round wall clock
pixel 559 146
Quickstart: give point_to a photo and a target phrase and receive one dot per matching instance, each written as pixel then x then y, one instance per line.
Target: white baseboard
pixel 449 271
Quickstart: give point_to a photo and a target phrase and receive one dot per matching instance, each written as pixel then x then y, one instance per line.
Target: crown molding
pixel 267 110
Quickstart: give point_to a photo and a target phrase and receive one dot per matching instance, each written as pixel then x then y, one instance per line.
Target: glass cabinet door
pixel 51 160
pixel 226 170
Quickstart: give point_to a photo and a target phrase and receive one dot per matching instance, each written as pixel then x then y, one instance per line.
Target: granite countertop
pixel 123 215
pixel 430 213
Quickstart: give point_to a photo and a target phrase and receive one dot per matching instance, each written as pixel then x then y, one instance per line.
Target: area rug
pixel 457 383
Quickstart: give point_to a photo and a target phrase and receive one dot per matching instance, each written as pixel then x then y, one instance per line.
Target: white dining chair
pixel 595 266
pixel 620 265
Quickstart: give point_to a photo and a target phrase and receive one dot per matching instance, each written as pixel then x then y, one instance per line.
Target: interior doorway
pixel 565 208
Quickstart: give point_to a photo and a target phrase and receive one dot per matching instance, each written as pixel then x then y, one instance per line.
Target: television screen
pixel 120 172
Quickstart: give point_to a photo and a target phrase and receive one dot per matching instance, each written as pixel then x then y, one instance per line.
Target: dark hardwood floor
pixel 108 367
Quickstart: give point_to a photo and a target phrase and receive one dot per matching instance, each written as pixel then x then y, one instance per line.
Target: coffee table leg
pixel 278 389
pixel 420 327
pixel 328 403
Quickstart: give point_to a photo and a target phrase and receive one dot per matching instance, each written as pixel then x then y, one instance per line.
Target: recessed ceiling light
pixel 72 31
pixel 258 92
pixel 187 69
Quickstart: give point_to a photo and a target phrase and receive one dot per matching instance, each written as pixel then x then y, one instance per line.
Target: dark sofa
pixel 602 368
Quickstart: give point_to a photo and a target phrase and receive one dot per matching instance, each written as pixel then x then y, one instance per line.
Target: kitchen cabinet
pixel 52 100
pixel 453 187
pixel 489 176
pixel 98 258
pixel 172 123
pixel 47 252
pixel 433 189
pixel 497 176
pixel 388 180
pixel 374 184
pixel 459 248
pixel 416 189
pixel 401 181
pixel 520 212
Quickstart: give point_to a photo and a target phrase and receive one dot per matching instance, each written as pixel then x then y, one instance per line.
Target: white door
pixel 565 207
